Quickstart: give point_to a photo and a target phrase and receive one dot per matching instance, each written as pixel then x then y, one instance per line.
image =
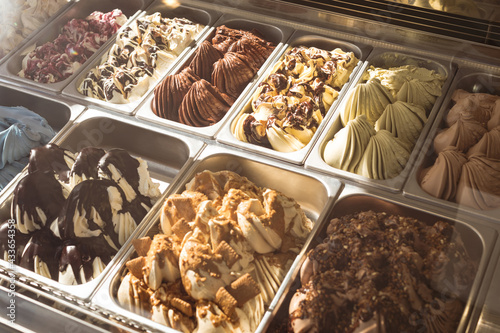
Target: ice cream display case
pixel 252 166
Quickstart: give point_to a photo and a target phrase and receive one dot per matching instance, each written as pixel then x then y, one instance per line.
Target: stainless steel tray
pixel 383 57
pixel 167 157
pixel 479 240
pixel 472 81
pixel 59 113
pixel 315 193
pixel 205 17
pixel 276 34
pixel 80 9
pixel 360 50
pixel 35 32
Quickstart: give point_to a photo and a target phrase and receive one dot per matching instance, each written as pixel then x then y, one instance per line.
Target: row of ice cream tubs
pixel 232 237
pixel 174 159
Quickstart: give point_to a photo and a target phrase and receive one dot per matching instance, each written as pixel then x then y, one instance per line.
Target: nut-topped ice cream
pixel 77 210
pixel 79 39
pixel 394 104
pixel 202 93
pixel 467 165
pixel 292 101
pixel 376 272
pixel 225 246
pixel 141 54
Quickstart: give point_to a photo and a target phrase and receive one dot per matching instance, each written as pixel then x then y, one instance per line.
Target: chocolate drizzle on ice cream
pixel 292 101
pixel 224 248
pixel 142 52
pixel 77 211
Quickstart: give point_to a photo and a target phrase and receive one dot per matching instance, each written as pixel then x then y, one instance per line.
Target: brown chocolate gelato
pixel 225 66
pixel 376 272
pixel 467 170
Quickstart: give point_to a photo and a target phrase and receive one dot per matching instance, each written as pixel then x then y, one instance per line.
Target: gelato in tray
pixel 20 131
pixel 73 212
pixel 467 167
pixel 142 52
pixel 20 18
pixel 78 41
pixel 382 120
pixel 378 272
pixel 224 247
pixel 290 104
pixel 202 93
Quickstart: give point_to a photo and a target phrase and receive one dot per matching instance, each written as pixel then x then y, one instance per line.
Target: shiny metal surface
pixel 383 58
pixel 471 81
pixel 276 34
pixel 197 15
pixel 79 10
pixel 312 192
pixel 361 51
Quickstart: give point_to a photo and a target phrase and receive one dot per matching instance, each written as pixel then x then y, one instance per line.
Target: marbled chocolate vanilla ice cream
pixel 141 54
pixel 224 247
pixel 467 166
pixel 290 104
pixel 376 272
pixel 382 120
pixel 73 212
pixel 79 39
pixel 202 93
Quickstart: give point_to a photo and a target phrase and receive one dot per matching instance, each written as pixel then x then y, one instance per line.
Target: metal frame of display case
pixel 378 24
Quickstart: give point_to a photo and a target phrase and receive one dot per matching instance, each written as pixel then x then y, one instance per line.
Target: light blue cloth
pixel 20 131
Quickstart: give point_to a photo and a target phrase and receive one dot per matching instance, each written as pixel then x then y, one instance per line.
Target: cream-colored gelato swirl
pixel 384 158
pixel 346 149
pixel 369 99
pixel 235 243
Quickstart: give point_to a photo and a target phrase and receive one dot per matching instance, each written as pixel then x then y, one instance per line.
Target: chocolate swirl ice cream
pixel 73 212
pixel 141 54
pixel 202 93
